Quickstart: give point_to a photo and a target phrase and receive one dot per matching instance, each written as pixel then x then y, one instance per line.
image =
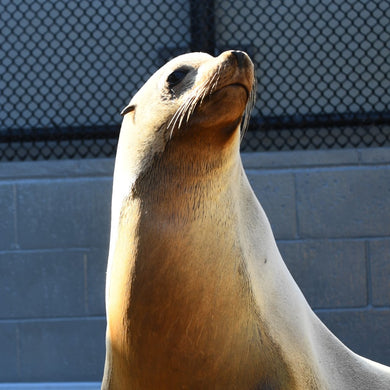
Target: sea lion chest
pixel 190 318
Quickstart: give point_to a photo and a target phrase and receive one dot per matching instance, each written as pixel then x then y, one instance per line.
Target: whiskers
pixel 187 108
pixel 196 98
pixel 248 109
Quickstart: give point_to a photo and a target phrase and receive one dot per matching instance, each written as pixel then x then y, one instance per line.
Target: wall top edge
pixel 104 167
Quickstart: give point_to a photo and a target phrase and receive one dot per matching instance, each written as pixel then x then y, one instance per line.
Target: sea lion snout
pixel 239 68
pixel 238 59
pixel 241 58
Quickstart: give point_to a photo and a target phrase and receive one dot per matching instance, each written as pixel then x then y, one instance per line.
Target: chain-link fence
pixel 68 67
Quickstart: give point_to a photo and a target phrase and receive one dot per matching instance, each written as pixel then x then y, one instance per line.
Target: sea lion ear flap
pixel 129 108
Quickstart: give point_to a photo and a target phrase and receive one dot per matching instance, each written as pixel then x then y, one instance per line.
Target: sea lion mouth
pixel 233 85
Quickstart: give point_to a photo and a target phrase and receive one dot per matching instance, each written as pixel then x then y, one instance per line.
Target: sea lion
pixel 198 296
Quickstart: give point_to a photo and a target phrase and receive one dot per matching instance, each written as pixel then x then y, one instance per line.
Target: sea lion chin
pixel 197 294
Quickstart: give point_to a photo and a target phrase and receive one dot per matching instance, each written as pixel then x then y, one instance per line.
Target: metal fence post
pixel 202 26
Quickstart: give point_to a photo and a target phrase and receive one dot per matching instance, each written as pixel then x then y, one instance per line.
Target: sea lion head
pixel 194 97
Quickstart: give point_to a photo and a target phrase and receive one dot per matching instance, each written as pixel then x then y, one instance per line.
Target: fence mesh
pixel 68 67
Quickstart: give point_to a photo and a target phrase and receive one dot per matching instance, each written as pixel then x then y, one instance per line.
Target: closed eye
pixel 176 77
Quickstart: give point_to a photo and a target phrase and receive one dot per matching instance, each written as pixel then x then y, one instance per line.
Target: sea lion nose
pixel 240 57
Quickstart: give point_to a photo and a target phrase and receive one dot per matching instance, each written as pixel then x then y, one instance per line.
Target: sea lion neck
pixel 186 171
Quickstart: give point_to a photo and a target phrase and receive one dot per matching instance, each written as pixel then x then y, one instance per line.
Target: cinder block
pixel 58 350
pixel 344 203
pixel 96 281
pixel 375 155
pixel 276 193
pixel 7 216
pixel 64 213
pixel 380 272
pixel 300 158
pixel 331 274
pixel 9 366
pixel 366 332
pixel 45 284
pixel 94 167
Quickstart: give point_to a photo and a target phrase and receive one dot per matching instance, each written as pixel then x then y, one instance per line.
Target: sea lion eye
pixel 176 76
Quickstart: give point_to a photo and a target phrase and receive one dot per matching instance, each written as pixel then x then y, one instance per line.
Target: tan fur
pixel 197 295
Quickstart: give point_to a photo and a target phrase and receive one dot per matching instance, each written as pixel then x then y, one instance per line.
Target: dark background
pixel 68 67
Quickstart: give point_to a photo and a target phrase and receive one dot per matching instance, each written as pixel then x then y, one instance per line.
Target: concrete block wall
pixel 330 211
pixel 54 233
